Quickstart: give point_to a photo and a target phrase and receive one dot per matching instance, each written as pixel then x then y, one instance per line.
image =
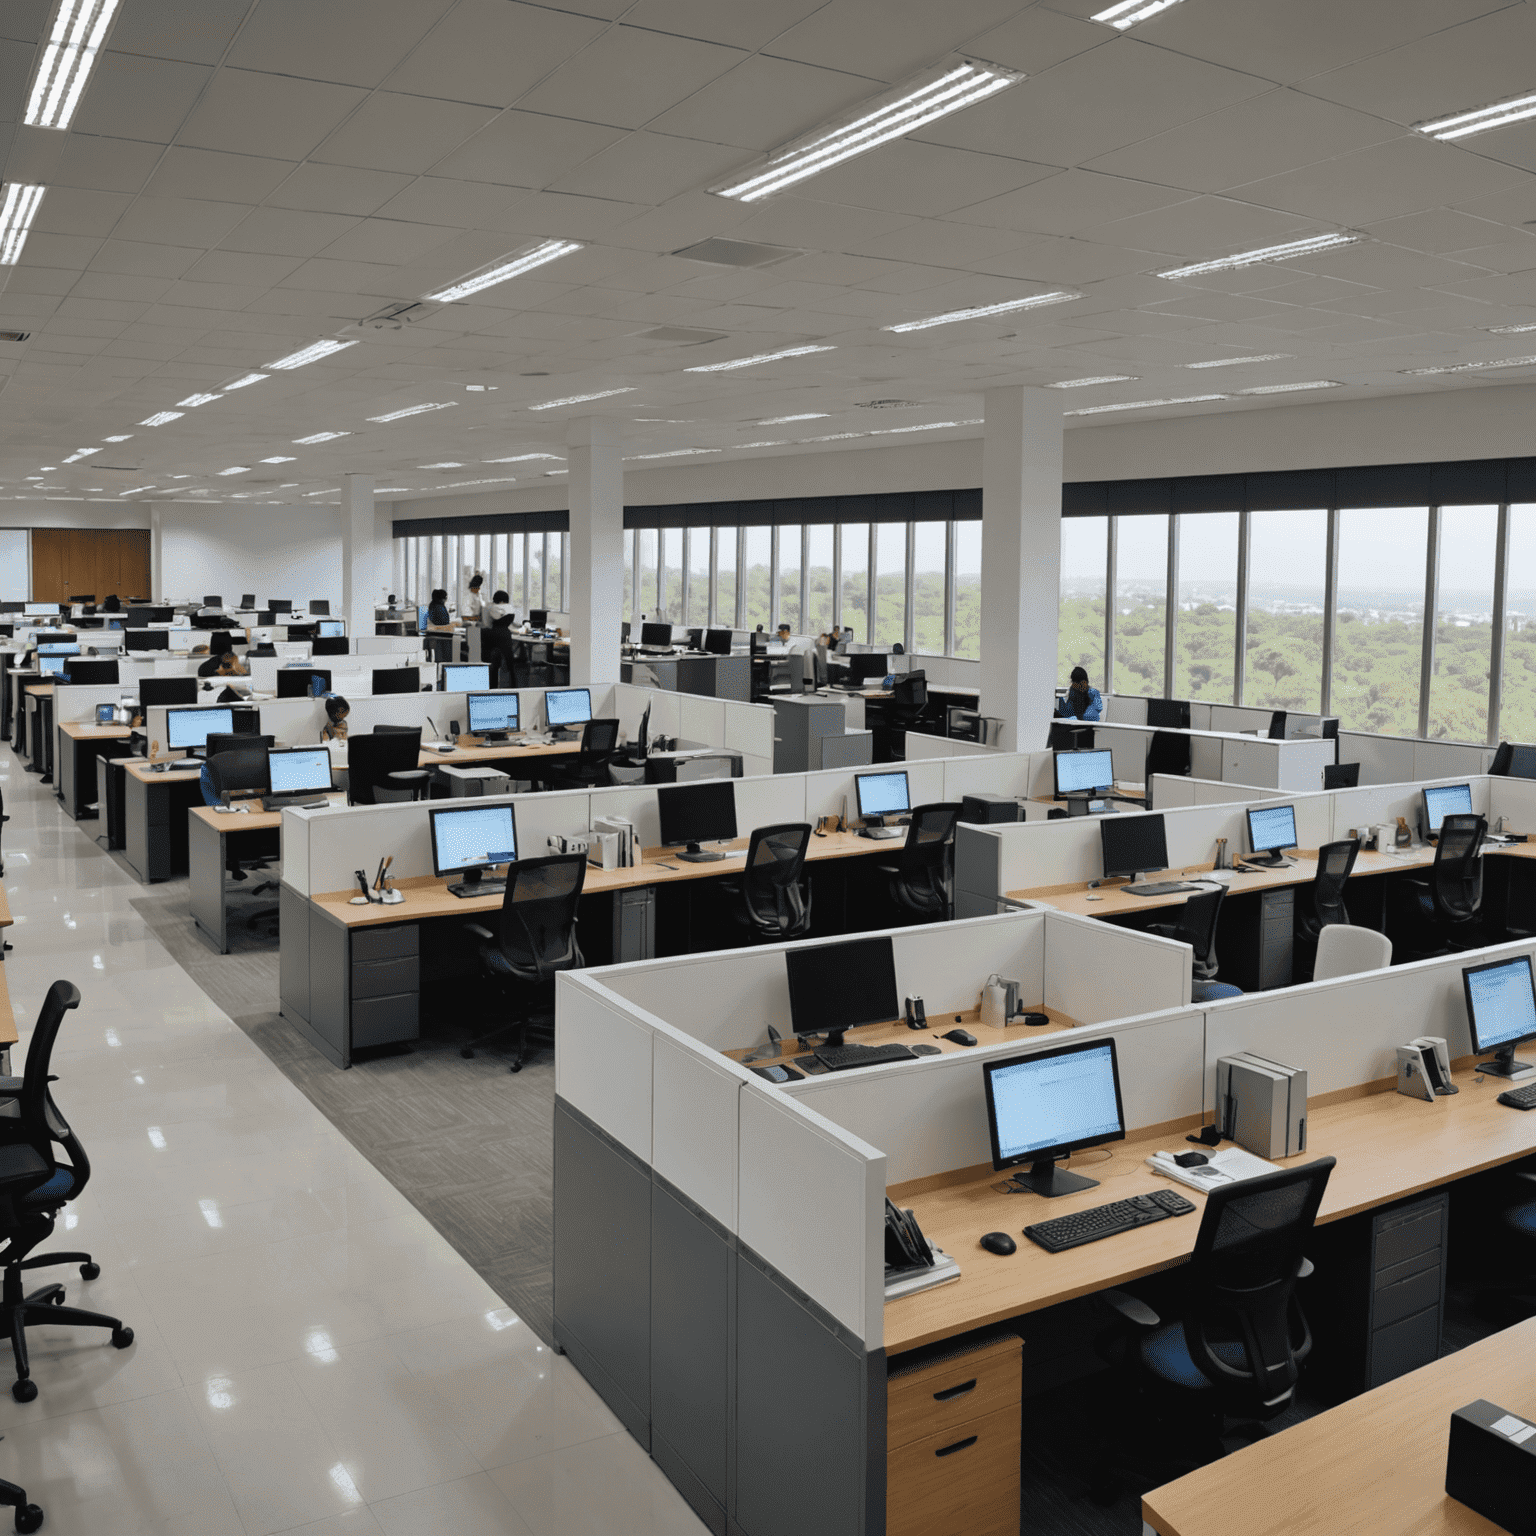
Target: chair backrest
pixel 372 758
pixel 771 884
pixel 931 836
pixel 1242 1284
pixel 395 730
pixel 239 770
pixel 1454 881
pixel 599 738
pixel 1277 725
pixel 35 1120
pixel 1503 760
pixel 1065 737
pixel 1345 951
pixel 1196 926
pixel 1341 775
pixel 1167 752
pixel 538 915
pixel 911 690
pixel 241 741
pixel 1335 861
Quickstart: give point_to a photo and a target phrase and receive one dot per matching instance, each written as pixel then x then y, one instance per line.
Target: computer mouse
pixel 962 1037
pixel 926 1050
pixel 999 1243
pixel 1034 1018
pixel 1093 898
pixel 1191 1159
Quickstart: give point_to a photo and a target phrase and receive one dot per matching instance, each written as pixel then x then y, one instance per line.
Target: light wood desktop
pixel 1375 1464
pixel 1388 1147
pixel 79 730
pixel 495 752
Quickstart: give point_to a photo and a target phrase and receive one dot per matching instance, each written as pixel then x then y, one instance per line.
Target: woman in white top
pixel 472 603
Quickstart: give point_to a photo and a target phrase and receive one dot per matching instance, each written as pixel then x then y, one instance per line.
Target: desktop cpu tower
pixel 984 810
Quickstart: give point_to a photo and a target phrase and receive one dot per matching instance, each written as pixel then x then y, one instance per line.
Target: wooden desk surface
pixel 248 821
pixel 1388 1147
pixel 460 756
pixel 80 731
pixel 145 771
pixel 1373 1465
pixel 8 1035
pixel 39 690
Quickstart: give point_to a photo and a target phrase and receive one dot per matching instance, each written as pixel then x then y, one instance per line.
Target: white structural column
pixel 596 458
pixel 156 549
pixel 1021 560
pixel 359 560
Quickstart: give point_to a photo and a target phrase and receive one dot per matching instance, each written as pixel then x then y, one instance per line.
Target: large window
pixel 646 557
pixel 1458 685
pixel 967 586
pixel 670 609
pixel 818 578
pixel 854 609
pixel 1084 561
pixel 758 577
pixel 1205 660
pixel 1287 590
pixel 725 578
pixel 789 578
pixel 1379 640
pixel 890 584
pixel 1141 603
pixel 930 543
pixel 697 609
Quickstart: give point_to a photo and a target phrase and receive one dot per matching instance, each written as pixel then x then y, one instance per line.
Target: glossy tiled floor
pixel 310 1355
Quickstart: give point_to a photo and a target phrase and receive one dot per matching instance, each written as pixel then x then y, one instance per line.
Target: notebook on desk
pixel 1227 1166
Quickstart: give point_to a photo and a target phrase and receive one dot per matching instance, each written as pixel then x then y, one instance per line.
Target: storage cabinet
pixel 386 985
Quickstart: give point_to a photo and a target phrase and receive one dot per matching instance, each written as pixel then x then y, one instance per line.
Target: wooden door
pixel 96 560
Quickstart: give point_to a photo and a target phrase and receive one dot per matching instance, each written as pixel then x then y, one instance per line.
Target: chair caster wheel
pixel 122 1338
pixel 516 1066
pixel 29 1518
pixel 90 1271
pixel 58 1297
pixel 466 1052
pixel 24 1390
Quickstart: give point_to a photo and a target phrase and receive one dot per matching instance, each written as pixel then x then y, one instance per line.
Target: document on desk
pixel 1225 1167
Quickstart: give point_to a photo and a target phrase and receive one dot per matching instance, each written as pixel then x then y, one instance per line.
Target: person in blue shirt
pixel 437 609
pixel 1082 702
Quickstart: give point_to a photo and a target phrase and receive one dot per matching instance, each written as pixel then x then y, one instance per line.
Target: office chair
pixel 245 769
pixel 383 767
pixel 922 878
pixel 32 1122
pixel 909 700
pixel 1343 951
pixel 588 767
pixel 1341 775
pixel 1066 737
pixel 1167 752
pixel 238 741
pixel 1277 725
pixel 769 900
pixel 1335 864
pixel 1196 926
pixel 537 938
pixel 1443 912
pixel 1238 1350
pixel 1503 761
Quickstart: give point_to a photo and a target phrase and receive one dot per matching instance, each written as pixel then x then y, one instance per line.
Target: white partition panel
pixel 991 773
pixel 703 720
pixel 921 747
pixel 696 1122
pixel 1516 799
pixel 1097 971
pixel 1382 759
pixel 749 730
pixel 295 836
pixel 1125 709
pixel 1447 759
pixel 75 703
pixel 1369 807
pixel 768 800
pixel 1169 790
pixel 604 1064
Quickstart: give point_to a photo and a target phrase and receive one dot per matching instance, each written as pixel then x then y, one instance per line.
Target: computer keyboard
pixel 838 1058
pixel 1107 1220
pixel 478 888
pixel 1520 1098
pixel 882 834
pixel 1157 888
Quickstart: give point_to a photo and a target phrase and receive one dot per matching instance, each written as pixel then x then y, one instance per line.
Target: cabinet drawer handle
pixel 959 1445
pixel 951 1392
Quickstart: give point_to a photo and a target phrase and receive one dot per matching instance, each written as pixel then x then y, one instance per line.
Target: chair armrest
pixel 1130 1308
pixel 1307 1267
pixel 1529 1176
pixel 479 932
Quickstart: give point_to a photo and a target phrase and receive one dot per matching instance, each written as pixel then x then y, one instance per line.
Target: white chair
pixel 1344 951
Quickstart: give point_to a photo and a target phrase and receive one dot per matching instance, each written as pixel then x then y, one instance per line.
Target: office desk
pixel 496 752
pixel 155 807
pixel 1388 1148
pixel 1375 1463
pixel 79 745
pixel 37 718
pixel 111 777
pixel 8 1034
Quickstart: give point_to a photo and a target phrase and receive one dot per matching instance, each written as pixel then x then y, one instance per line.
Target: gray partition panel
pixel 293 953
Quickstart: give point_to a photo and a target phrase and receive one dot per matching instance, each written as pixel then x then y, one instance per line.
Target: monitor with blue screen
pixel 331 629
pixel 1501 1010
pixel 1442 800
pixel 1084 773
pixel 59 648
pixel 464 676
pixel 299 770
pixel 187 729
pixel 41 610
pixel 881 795
pixel 491 712
pixel 50 666
pixel 1271 828
pixel 568 706
pixel 471 840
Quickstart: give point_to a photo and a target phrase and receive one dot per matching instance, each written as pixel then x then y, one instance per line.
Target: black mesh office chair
pixel 1064 736
pixel 1335 864
pixel 244 772
pixel 1196 926
pixel 536 939
pixel 770 900
pixel 237 741
pixel 1167 752
pixel 1341 775
pixel 1238 1350
pixel 904 712
pixel 922 878
pixel 29 1119
pixel 383 767
pixel 586 768
pixel 1277 725
pixel 1443 913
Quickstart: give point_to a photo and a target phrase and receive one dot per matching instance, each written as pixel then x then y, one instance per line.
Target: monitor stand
pixel 693 854
pixel 1273 859
pixel 1050 1182
pixel 1504 1063
pixel 493 736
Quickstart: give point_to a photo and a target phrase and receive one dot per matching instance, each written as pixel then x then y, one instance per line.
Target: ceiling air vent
pixel 395 317
pixel 887 405
pixel 736 253
pixel 680 335
pixel 15 335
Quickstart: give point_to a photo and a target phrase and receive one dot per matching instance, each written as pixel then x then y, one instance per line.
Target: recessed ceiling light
pixel 778 421
pixel 833 437
pixel 1142 405
pixel 1097 378
pixel 780 443
pixel 179 477
pixel 505 267
pixel 479 389
pixel 135 491
pixel 193 400
pixel 1286 252
pixel 449 464
pixel 121 438
pixel 549 474
pixel 415 410
pixel 674 453
pixel 1502 362
pixel 320 437
pixel 310 354
pixel 388 490
pixel 752 362
pixel 280 460
pixel 522 458
pixel 236 469
pixel 1513 110
pixel 160 418
pixel 1232 362
pixel 242 383
pixel 17 210
pixel 81 453
pixel 67 61
pixel 923 99
pixel 1286 389
pixel 1128 12
pixel 954 316
pixel 601 394
pixel 1500 330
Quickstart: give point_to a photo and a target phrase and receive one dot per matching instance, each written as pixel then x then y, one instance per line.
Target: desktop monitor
pixel 319 607
pixel 247 600
pixel 881 795
pixel 299 770
pixel 1168 714
pixel 395 680
pixel 187 729
pixel 423 622
pixel 1133 845
pixel 655 634
pixel 42 637
pixel 1271 829
pixel 281 604
pixel 331 629
pixel 1049 1103
pixel 1341 775
pixel 212 601
pixel 697 813
pixel 1522 763
pixel 58 648
pixel 833 987
pixel 237 741
pixel 167 690
pixel 266 618
pixel 137 617
pixel 695 639
pixel 568 706
pixel 864 668
pixel 90 672
pixel 146 640
pixel 328 645
pixel 491 711
pixel 539 618
pixel 718 641
pixel 1501 1010
pixel 51 666
pixel 40 610
pixel 1089 772
pixel 293 682
pixel 1442 800
pixel 162 614
pixel 471 840
pixel 465 676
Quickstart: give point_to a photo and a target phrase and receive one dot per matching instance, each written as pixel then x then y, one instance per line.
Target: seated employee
pixel 496 637
pixel 222 661
pixel 1081 702
pixel 437 608
pixel 112 605
pixel 336 711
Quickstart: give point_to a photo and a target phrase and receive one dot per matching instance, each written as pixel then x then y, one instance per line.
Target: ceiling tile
pixel 15 66
pixel 1201 228
pixel 648 168
pixel 738 26
pixel 105 165
pixel 354 42
pixel 368 280
pixel 1438 229
pixel 63 253
pixel 24 20
pixel 888 39
pixel 287 232
pixel 241 267
pixel 73 211
pixel 391 132
pixel 138 98
pixel 925 179
pixel 338 189
pixel 194 30
pixel 134 258
pixel 389 241
pixel 683 221
pixel 559 215
pixel 260 114
pixel 527 149
pixel 209 173
pixel 1038 38
pixel 1069 202
pixel 441 200
pixel 180 221
pixel 108 285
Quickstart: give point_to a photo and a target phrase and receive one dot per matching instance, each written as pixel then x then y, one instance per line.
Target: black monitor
pixel 248 600
pixel 465 676
pixel 1501 1011
pixel 881 795
pixel 655 634
pixel 866 668
pixel 186 730
pixel 491 714
pixel 567 706
pixel 718 641
pixel 303 631
pixel 92 672
pixel 280 604
pixel 146 639
pixel 330 629
pixel 1088 772
pixel 212 601
pixel 1133 845
pixel 328 645
pixel 1271 830
pixel 293 682
pixel 167 690
pixel 1341 775
pixel 1442 800
pixel 1048 1104
pixel 697 813
pixel 1168 714
pixel 538 618
pixel 833 987
pixel 162 614
pixel 470 840
pixel 695 639
pixel 1522 763
pixel 238 741
pixel 265 619
pixel 319 606
pixel 395 680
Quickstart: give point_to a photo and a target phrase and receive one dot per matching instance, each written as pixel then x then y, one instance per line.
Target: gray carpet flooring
pixel 468 1143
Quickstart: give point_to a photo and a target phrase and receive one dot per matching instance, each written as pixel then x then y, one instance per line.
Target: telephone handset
pixel 905 1245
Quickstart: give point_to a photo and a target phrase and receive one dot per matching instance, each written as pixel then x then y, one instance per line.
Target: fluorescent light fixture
pixel 1286 389
pixel 17 210
pixel 982 311
pixel 451 464
pixel 1493 330
pixel 1502 362
pixel 549 474
pixel 310 354
pixel 832 437
pixel 121 438
pixel 389 490
pixel 193 400
pixel 779 421
pixel 780 443
pixel 66 63
pixel 602 394
pixel 280 460
pixel 236 469
pixel 1128 12
pixel 909 106
pixel 415 410
pixel 673 453
pixel 503 268
pixel 1514 110
pixel 135 491
pixel 927 426
pixel 1142 405
pixel 81 453
pixel 160 418
pixel 1232 362
pixel 752 362
pixel 320 437
pixel 1097 378
pixel 454 485
pixel 242 383
pixel 522 458
pixel 1286 252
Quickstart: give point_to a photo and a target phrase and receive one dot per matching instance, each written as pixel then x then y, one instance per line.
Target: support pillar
pixel 595 455
pixel 1021 564
pixel 359 557
pixel 156 550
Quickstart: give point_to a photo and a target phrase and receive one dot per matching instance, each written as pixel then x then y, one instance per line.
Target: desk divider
pixel 920 746
pixel 995 773
pixel 75 703
pixel 1097 971
pixel 1377 803
pixel 603 1063
pixel 1516 799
